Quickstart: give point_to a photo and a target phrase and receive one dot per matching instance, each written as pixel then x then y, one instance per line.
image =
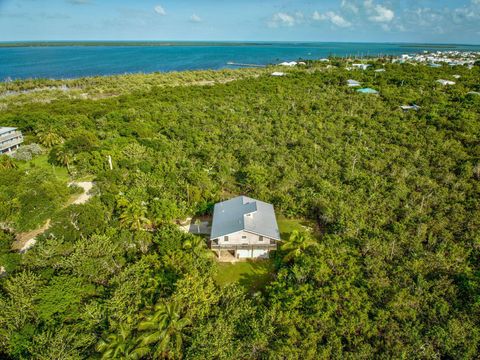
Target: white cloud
pixel 195 18
pixel 378 13
pixel 160 10
pixel 334 18
pixel 79 2
pixel 350 6
pixel 284 19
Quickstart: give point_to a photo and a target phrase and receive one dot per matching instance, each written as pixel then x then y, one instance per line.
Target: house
pixel 290 64
pixel 10 139
pixel 446 82
pixel 244 228
pixel 410 107
pixel 367 91
pixel 457 76
pixel 278 73
pixel 361 66
pixel 380 70
pixel 352 83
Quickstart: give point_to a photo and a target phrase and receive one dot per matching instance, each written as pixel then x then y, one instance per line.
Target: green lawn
pixel 42 162
pixel 253 275
pixel 286 226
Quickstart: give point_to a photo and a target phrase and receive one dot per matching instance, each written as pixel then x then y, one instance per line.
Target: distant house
pixel 473 93
pixel 457 76
pixel 290 64
pixel 410 107
pixel 434 65
pixel 361 66
pixel 10 139
pixel 352 83
pixel 244 228
pixel 278 73
pixel 367 91
pixel 380 70
pixel 446 82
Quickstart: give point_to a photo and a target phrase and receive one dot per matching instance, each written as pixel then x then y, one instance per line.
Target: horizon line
pixel 237 41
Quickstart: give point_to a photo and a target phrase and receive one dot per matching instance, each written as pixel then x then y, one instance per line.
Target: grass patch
pixel 287 226
pixel 41 162
pixel 252 275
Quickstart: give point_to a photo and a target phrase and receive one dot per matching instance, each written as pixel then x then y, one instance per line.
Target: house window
pixel 260 238
pixel 225 239
pixel 244 237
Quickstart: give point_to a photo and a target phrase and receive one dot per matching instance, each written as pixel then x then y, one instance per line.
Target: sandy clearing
pixel 86 186
pixel 25 241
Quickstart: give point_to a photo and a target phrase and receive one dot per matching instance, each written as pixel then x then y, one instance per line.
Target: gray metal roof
pixel 4 130
pixel 244 213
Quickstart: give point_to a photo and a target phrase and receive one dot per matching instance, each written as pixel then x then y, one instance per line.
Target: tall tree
pixel 119 345
pixel 296 245
pixel 133 215
pixel 164 330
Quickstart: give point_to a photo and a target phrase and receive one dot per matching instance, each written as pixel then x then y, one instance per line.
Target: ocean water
pixel 60 62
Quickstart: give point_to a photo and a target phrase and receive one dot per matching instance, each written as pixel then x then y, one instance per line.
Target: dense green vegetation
pixel 391 270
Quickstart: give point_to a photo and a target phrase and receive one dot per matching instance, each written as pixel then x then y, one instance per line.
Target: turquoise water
pixel 77 61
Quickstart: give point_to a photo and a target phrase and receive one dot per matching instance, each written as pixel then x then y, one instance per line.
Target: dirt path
pixel 26 240
pixel 83 198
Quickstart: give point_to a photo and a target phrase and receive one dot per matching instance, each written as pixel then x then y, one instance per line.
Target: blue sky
pixel 254 20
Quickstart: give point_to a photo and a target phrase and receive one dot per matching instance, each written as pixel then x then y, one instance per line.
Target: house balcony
pixel 214 246
pixel 8 142
pixel 10 136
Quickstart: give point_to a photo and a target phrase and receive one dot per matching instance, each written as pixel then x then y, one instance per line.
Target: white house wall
pixel 237 239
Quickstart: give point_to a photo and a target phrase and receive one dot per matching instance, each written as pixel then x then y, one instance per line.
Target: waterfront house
pixel 10 139
pixel 367 91
pixel 352 83
pixel 278 73
pixel 410 107
pixel 446 82
pixel 361 66
pixel 244 228
pixel 287 63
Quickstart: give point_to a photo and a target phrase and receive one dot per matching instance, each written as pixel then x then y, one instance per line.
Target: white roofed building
pixel 244 228
pixel 361 66
pixel 352 83
pixel 446 82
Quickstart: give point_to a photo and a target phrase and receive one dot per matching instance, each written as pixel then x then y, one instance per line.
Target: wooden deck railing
pixel 243 246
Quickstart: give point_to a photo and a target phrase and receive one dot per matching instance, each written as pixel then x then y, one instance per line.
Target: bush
pixel 27 152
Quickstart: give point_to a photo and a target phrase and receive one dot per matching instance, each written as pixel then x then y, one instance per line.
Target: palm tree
pixel 198 223
pixel 6 163
pixel 194 244
pixel 296 245
pixel 49 139
pixel 119 346
pixel 64 158
pixel 133 215
pixel 164 329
